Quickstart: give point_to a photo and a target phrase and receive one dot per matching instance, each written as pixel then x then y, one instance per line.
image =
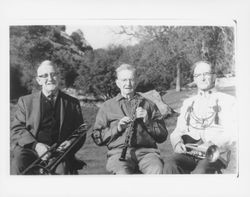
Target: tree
pixel 181 46
pixel 30 45
pixel 25 52
pixel 98 75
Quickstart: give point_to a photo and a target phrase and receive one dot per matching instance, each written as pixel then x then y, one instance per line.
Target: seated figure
pixel 206 119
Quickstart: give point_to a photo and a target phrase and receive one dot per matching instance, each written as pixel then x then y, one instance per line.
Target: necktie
pixel 51 99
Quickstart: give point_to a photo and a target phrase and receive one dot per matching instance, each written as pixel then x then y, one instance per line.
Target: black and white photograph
pixel 124 102
pixel 159 102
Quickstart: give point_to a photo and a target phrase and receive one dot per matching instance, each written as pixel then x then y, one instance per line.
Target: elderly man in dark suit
pixel 43 119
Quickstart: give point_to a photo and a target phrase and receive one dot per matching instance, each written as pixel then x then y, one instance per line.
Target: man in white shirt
pixel 208 118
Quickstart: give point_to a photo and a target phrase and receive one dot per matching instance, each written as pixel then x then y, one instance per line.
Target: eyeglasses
pixel 207 74
pixel 46 75
pixel 127 80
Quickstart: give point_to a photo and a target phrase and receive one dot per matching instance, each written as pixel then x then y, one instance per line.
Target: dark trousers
pixel 186 164
pixel 23 157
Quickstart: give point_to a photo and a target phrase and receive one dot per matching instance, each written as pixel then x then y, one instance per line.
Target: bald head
pixel 202 65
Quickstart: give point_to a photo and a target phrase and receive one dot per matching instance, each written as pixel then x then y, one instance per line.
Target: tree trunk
pixel 178 78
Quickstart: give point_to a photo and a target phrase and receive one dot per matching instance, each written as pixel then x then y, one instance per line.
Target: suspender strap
pixel 216 110
pixel 189 110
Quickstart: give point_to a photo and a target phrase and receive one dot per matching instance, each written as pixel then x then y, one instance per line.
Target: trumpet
pixel 212 153
pixel 56 156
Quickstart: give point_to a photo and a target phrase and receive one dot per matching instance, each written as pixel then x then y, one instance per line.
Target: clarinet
pixel 130 131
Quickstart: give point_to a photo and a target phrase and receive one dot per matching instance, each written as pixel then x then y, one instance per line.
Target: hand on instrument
pixel 64 145
pixel 41 149
pixel 142 113
pixel 123 123
pixel 180 148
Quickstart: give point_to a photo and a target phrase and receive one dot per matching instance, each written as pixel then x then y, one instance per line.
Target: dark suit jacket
pixel 26 121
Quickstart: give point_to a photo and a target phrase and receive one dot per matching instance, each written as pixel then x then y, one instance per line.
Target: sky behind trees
pixel 102 36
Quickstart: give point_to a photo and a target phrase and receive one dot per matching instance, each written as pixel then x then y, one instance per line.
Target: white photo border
pixel 64 12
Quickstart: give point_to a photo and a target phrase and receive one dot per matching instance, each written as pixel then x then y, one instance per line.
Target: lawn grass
pixel 95 156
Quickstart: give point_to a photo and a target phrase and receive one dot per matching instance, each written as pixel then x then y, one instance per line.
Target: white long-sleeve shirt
pixel 198 119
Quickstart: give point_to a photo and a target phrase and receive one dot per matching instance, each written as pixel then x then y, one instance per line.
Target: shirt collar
pixel 55 94
pixel 206 93
pixel 120 97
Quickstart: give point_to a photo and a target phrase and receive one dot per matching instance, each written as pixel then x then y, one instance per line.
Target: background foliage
pixel 163 57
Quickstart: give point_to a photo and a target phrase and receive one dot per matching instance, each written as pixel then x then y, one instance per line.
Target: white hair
pixel 47 63
pixel 125 67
